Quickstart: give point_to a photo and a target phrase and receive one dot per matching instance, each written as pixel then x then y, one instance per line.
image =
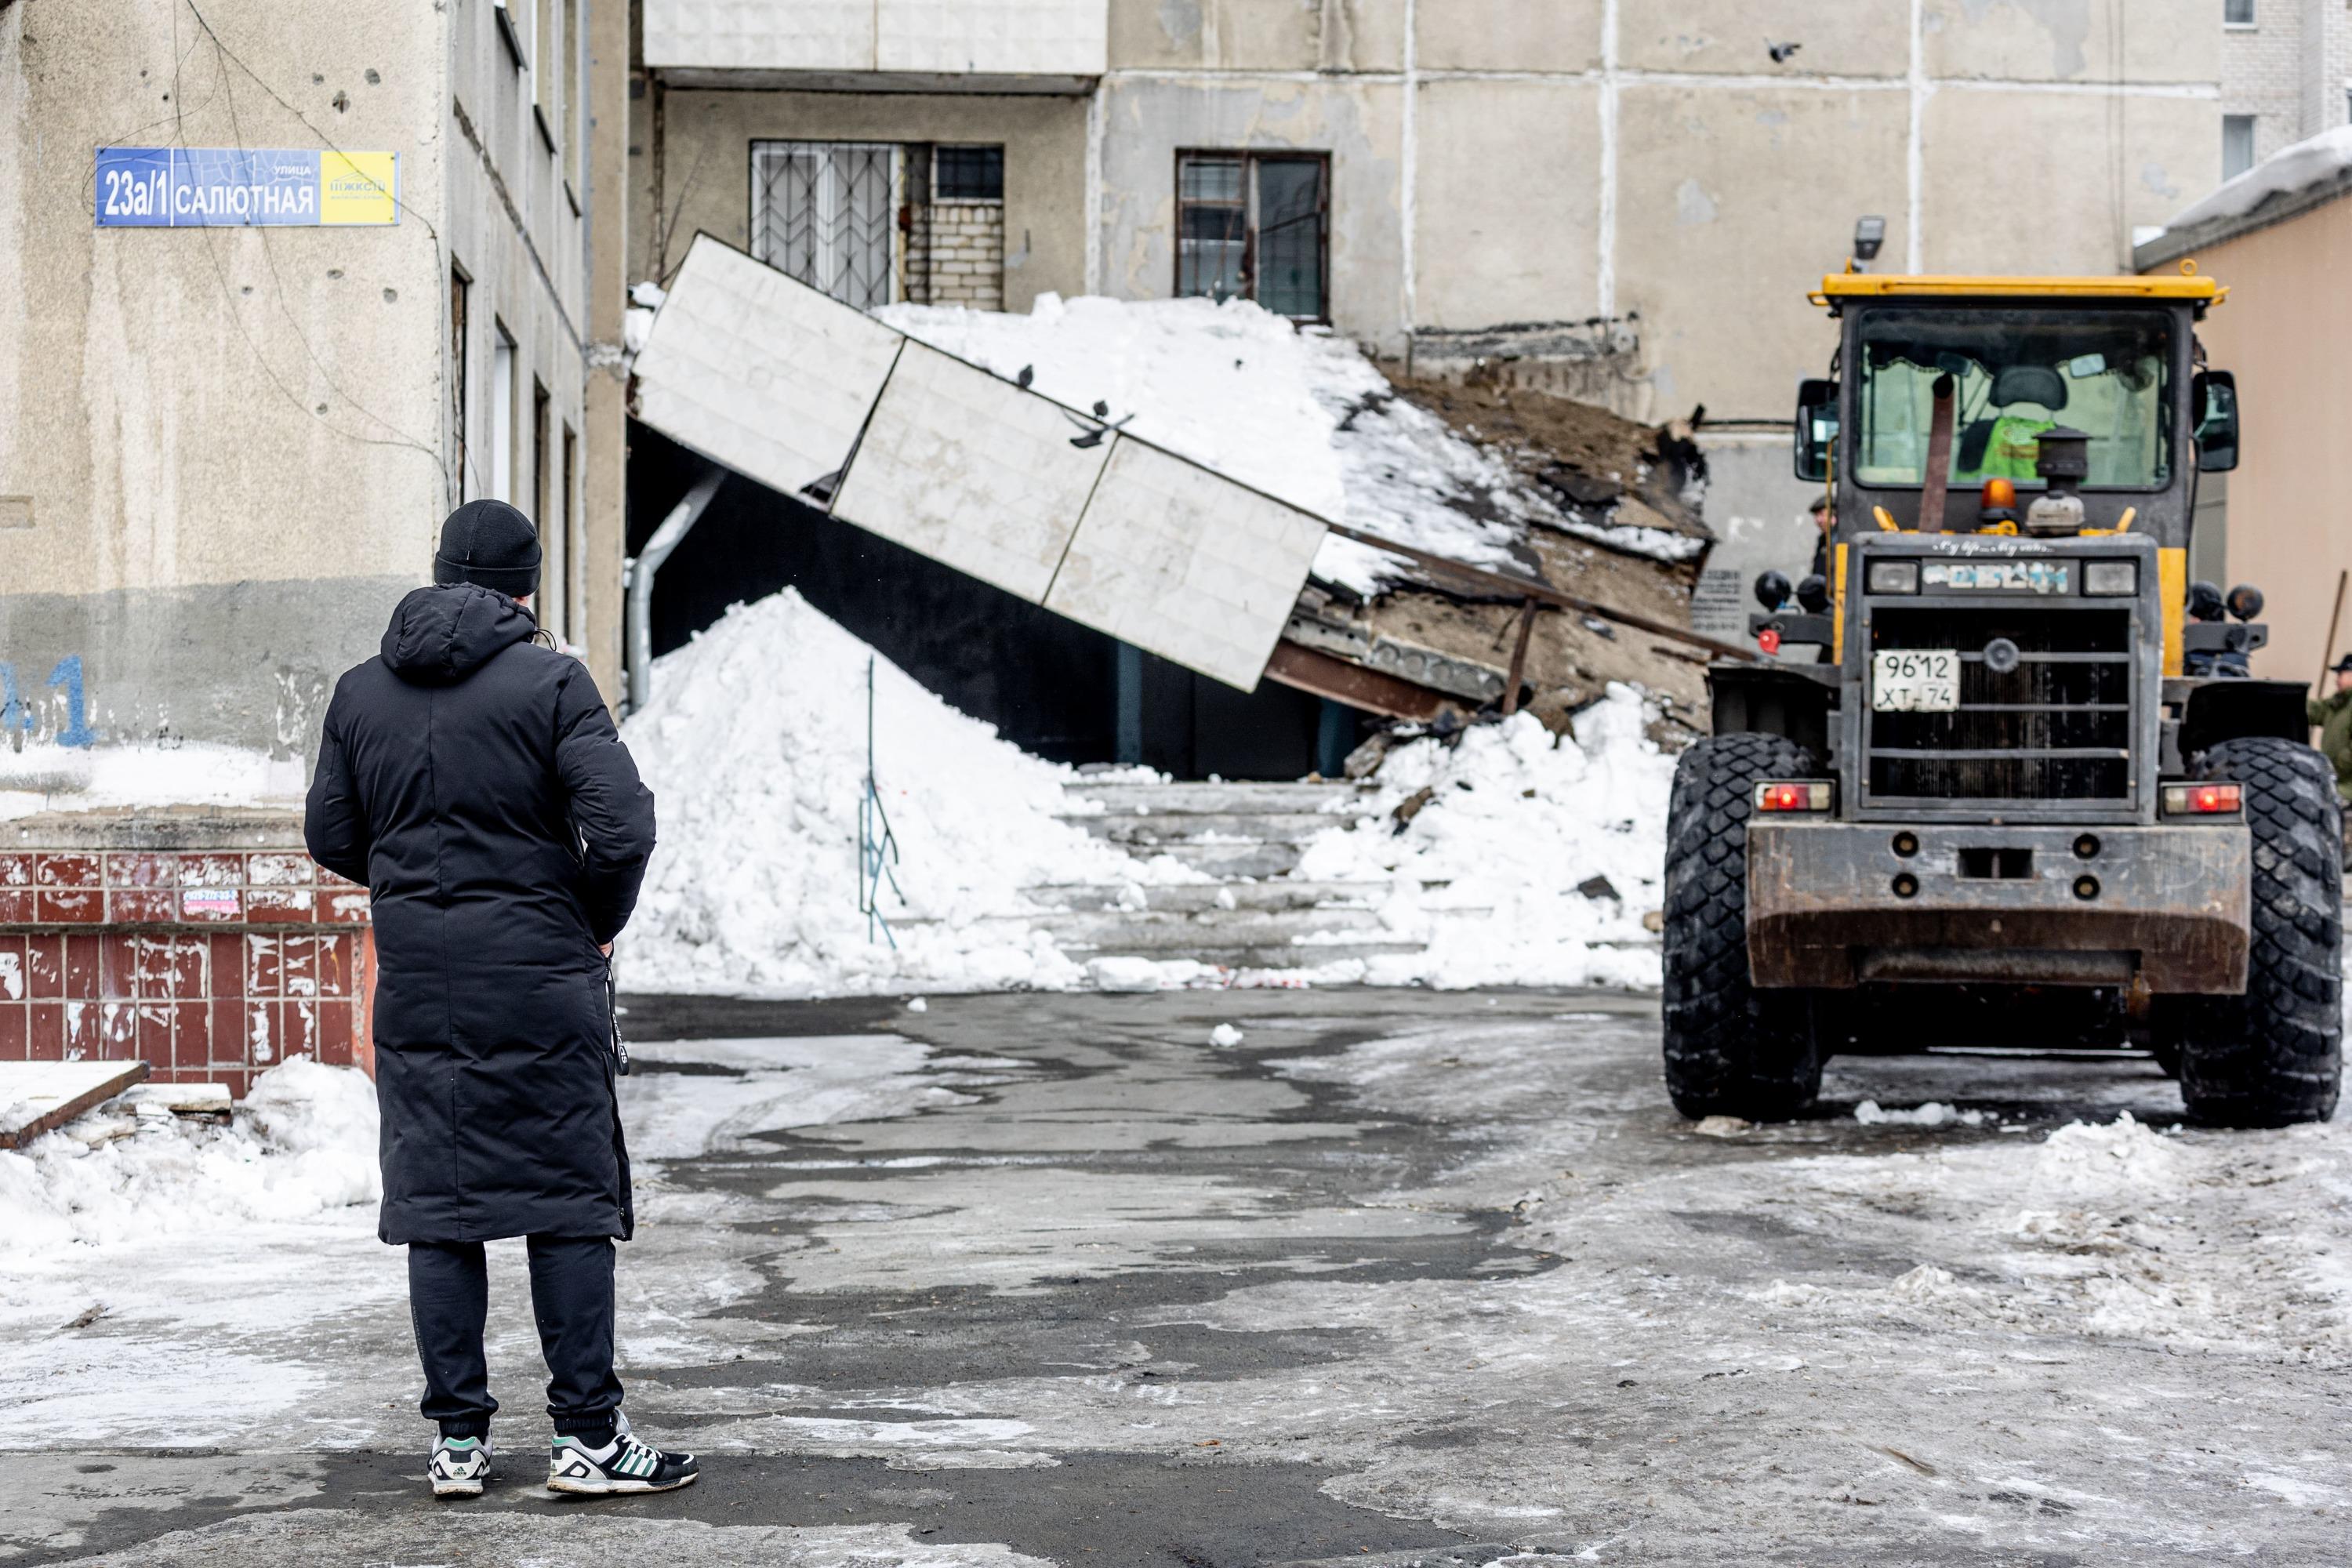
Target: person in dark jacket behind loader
pixel 2332 714
pixel 470 776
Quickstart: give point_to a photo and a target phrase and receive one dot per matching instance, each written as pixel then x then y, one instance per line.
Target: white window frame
pixel 502 413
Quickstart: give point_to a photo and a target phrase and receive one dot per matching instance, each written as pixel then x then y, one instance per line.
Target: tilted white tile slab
pixel 970 470
pixel 761 372
pixel 1185 562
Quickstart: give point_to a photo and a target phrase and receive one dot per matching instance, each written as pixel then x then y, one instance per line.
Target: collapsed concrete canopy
pixel 1056 505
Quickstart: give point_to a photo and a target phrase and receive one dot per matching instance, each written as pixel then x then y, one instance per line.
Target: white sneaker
pixel 458 1467
pixel 623 1465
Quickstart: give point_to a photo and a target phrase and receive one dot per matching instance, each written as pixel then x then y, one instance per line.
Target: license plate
pixel 1915 680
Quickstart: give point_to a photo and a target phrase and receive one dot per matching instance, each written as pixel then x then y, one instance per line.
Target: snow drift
pixel 755 748
pixel 302 1143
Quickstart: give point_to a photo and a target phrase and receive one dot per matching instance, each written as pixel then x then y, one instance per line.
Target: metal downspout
pixel 639 573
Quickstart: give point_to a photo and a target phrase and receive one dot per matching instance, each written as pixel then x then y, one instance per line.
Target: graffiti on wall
pixel 16 706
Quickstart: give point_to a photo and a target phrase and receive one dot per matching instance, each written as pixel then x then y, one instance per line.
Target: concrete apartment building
pixel 2286 73
pixel 1629 201
pixel 282 284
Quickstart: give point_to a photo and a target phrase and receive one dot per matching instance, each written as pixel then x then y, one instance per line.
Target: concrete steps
pixel 1247 838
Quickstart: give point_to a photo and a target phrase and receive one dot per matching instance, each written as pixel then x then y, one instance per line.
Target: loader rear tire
pixel 2274 1054
pixel 1731 1049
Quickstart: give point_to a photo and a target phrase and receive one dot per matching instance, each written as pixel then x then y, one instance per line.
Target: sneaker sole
pixel 619 1488
pixel 457 1489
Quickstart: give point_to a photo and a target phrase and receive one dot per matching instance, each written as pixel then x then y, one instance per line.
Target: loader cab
pixel 2114 359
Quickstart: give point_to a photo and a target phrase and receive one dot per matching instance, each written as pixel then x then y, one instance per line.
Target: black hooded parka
pixel 472 779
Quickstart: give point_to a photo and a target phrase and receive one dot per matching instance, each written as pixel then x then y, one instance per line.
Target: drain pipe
pixel 639 573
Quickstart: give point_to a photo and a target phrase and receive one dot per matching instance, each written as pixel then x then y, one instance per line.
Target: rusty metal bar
pixel 1373 691
pixel 1495 583
pixel 1518 659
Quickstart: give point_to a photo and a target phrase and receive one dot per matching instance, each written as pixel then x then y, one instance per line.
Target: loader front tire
pixel 1731 1049
pixel 2274 1054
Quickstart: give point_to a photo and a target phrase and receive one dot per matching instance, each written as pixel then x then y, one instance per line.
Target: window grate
pixel 826 213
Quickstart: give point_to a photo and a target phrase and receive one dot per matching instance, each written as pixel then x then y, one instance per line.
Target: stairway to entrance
pixel 1254 913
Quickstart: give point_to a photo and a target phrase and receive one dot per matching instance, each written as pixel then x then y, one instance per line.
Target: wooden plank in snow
pixel 36 1097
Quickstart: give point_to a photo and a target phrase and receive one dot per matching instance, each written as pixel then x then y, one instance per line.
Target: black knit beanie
pixel 490 544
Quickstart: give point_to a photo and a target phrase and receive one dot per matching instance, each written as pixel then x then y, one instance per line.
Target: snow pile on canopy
pixel 303 1143
pixel 1531 858
pixel 2299 168
pixel 754 746
pixel 1299 414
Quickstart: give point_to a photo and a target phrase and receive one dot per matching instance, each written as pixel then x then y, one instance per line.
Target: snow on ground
pixel 1299 414
pixel 303 1143
pixel 1517 820
pixel 754 746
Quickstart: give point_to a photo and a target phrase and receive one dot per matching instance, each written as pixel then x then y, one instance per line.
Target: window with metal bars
pixel 826 213
pixel 1256 225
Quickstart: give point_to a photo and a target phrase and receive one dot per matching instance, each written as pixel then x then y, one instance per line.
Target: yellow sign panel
pixel 359 188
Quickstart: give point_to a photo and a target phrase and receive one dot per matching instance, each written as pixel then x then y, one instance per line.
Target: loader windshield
pixel 2107 372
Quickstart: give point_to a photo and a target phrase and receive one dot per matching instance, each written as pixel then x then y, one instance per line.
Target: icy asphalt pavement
pixel 1400 1278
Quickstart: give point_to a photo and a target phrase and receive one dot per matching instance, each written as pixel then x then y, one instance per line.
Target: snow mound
pixel 754 746
pixel 1531 861
pixel 1295 413
pixel 2122 1158
pixel 2290 169
pixel 302 1143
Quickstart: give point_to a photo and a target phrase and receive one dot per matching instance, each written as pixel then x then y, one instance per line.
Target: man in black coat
pixel 471 777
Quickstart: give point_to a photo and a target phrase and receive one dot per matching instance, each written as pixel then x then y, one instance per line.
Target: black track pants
pixel 571 1295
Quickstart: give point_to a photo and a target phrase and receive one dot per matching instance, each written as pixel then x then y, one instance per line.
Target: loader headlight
pixel 2111 579
pixel 1894 577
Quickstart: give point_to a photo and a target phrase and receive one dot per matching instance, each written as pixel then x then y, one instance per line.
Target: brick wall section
pixel 964 255
pixel 212 959
pixel 2288 70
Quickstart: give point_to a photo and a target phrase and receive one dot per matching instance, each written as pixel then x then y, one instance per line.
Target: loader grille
pixel 2057 726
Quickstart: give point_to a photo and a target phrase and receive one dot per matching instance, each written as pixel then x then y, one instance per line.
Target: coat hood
pixel 440 636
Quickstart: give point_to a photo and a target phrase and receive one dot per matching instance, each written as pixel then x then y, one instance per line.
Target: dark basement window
pixel 967 174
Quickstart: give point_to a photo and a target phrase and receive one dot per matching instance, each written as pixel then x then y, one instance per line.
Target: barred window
pixel 826 213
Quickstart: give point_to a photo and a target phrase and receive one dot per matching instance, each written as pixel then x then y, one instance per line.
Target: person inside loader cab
pixel 470 776
pixel 1825 525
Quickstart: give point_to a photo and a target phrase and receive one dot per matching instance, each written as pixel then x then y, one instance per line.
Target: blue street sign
pixel 195 187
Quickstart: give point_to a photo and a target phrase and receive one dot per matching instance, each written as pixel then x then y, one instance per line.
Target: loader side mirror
pixel 2214 395
pixel 1817 427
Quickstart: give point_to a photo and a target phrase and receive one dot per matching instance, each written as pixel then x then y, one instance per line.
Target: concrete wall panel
pixel 1257 35
pixel 2055 211
pixel 2073 40
pixel 973 471
pixel 807 35
pixel 706 187
pixel 1508 35
pixel 1358 123
pixel 1203 573
pixel 1509 202
pixel 1722 228
pixel 1858 37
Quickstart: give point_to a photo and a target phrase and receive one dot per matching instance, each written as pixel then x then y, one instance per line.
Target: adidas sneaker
pixel 623 1465
pixel 458 1467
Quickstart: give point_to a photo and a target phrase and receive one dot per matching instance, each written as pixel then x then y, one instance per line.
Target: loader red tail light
pixel 2203 799
pixel 1793 794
